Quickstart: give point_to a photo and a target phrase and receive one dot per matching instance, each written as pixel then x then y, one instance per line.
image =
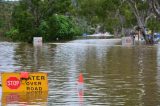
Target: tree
pixel 154 24
pixel 5 14
pixel 62 27
pixel 33 17
pixel 100 13
pixel 110 15
pixel 113 15
pixel 142 11
pixel 155 5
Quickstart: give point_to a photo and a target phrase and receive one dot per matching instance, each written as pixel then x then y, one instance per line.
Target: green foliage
pixel 13 34
pixel 1 23
pixel 154 25
pixel 142 5
pixel 110 5
pixel 114 15
pixel 5 16
pixel 35 18
pixel 60 6
pixel 111 24
pixel 129 18
pixel 24 22
pixel 62 27
pixel 43 29
pixel 101 12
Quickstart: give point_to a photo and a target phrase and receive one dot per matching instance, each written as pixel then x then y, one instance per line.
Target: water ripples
pixel 113 74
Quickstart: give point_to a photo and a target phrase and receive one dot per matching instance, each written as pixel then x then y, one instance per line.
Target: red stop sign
pixel 13 83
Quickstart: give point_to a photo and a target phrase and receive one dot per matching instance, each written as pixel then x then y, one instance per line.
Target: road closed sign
pixel 14 82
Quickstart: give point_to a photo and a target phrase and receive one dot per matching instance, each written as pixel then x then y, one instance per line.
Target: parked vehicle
pixel 156 37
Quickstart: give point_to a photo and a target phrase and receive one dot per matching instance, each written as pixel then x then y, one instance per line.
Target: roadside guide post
pixel 37 41
pixel 127 41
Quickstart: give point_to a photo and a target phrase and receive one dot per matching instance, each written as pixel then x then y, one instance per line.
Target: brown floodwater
pixel 114 75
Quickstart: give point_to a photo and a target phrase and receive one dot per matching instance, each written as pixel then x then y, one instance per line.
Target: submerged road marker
pixel 80 78
pixel 80 84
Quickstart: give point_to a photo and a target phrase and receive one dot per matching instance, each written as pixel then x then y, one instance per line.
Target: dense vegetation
pixel 42 18
pixel 65 19
pixel 118 16
pixel 6 9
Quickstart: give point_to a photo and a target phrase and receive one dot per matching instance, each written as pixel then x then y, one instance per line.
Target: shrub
pixel 43 30
pixel 13 34
pixel 62 27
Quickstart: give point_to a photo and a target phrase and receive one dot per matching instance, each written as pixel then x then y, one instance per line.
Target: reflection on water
pixel 29 98
pixel 113 74
pixel 7 62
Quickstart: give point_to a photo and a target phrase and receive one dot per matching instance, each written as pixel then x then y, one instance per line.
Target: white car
pixel 107 34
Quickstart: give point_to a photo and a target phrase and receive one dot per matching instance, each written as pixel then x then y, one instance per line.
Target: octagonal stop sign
pixel 13 83
pixel 24 82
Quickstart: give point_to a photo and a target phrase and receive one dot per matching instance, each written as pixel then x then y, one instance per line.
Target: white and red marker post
pixel 80 87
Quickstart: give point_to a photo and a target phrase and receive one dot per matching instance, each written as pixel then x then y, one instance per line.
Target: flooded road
pixel 114 75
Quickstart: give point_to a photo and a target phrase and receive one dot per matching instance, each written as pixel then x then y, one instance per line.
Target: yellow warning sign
pixel 13 82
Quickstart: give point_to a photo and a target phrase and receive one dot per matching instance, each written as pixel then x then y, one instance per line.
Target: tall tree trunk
pixel 140 20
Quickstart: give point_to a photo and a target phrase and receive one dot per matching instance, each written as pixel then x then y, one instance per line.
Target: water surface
pixel 114 75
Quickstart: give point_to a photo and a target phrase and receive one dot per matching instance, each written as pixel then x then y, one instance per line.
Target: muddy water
pixel 114 75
